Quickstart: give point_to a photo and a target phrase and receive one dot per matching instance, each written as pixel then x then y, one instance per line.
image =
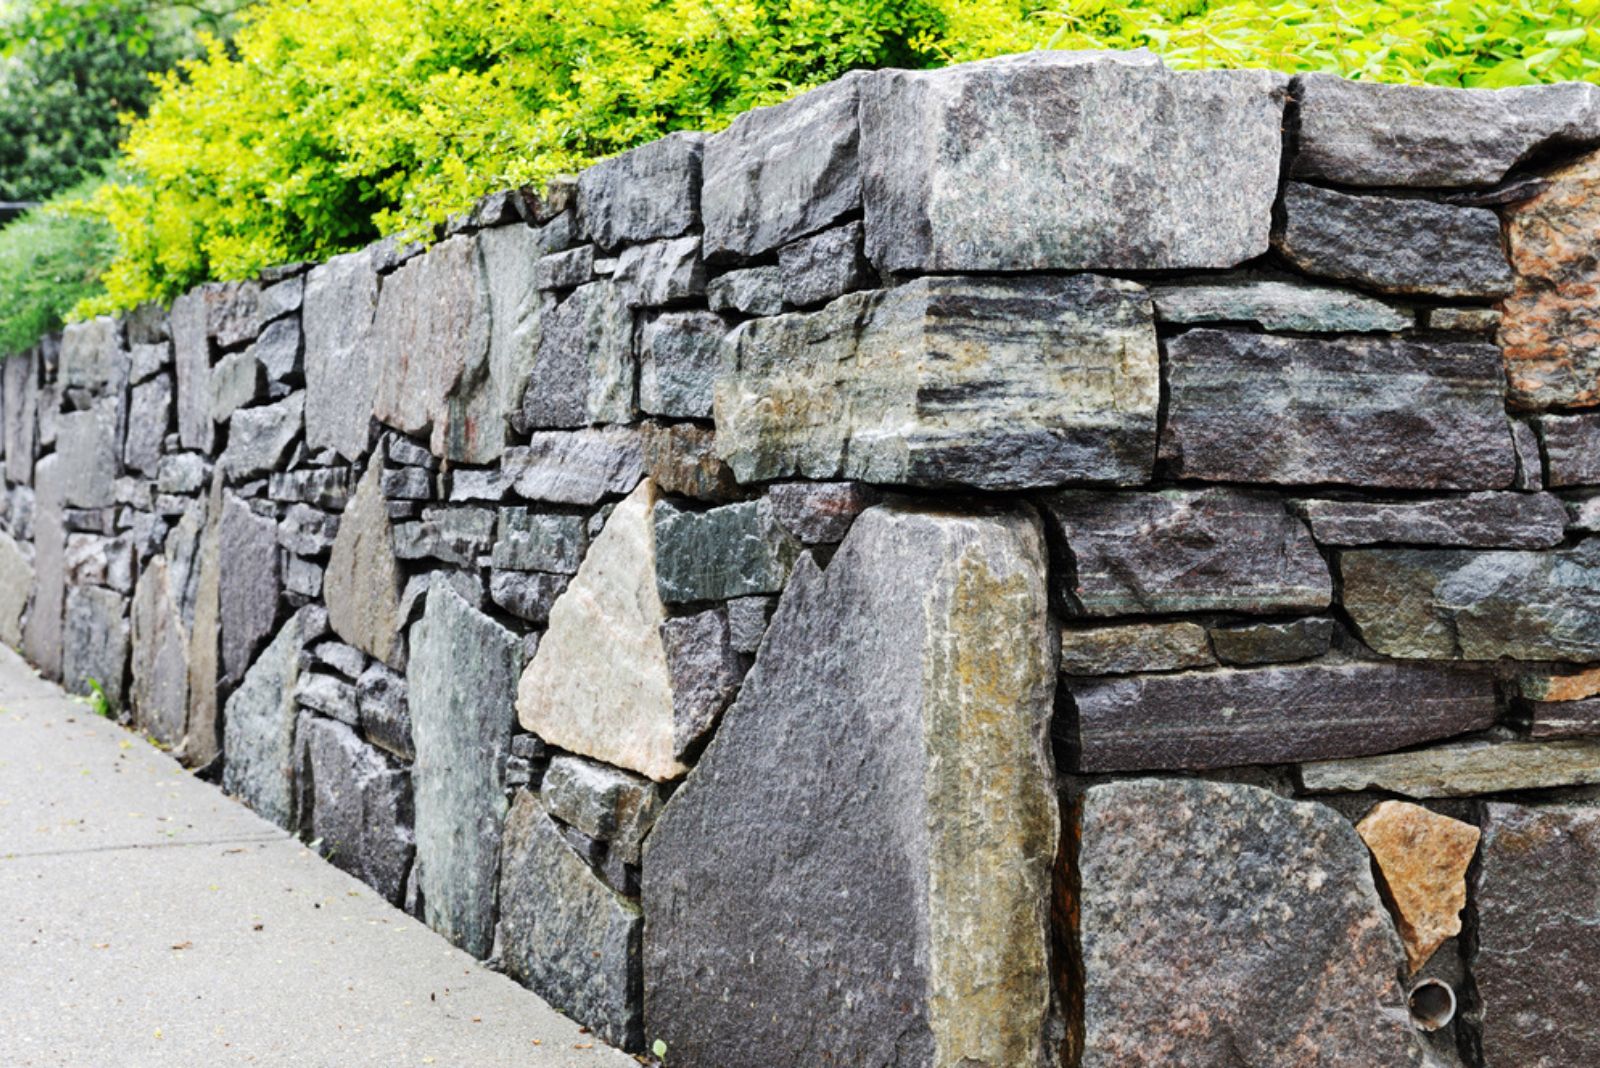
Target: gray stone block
pixel 191 348
pixel 578 467
pixel 149 415
pixel 819 268
pixel 661 273
pixel 1278 305
pixel 565 270
pixel 1572 448
pixel 247 584
pixel 306 531
pixel 820 513
pixel 90 449
pixel 362 584
pixel 537 541
pixel 1482 520
pixel 95 643
pixel 360 808
pixel 680 354
pixel 341 299
pixel 1273 643
pixel 527 595
pixel 259 439
pixel 584 370
pixel 237 381
pixel 705 672
pixel 647 193
pixel 732 551
pixel 385 712
pixel 604 803
pixel 259 727
pixel 1134 647
pixel 752 291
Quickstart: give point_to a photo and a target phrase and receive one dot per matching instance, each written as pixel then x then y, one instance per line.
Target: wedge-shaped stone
pixel 1550 321
pixel 259 438
pixel 198 542
pixel 358 806
pixel 584 370
pixel 782 172
pixel 966 168
pixel 1463 770
pixel 1255 408
pixel 259 726
pixel 599 684
pixel 1201 904
pixel 1218 719
pixel 1423 858
pixel 908 881
pixel 160 694
pixel 564 933
pixel 1478 520
pixel 1538 905
pixel 1445 603
pixel 16 586
pixel 1278 305
pixel 607 804
pixel 999 383
pixel 1370 134
pixel 362 584
pixel 1396 245
pixel 1186 551
pixel 341 299
pixel 462 683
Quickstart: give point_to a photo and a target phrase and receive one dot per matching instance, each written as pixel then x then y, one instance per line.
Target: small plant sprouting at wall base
pixel 660 1051
pixel 99 703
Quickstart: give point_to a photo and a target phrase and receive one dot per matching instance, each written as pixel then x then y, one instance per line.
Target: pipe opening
pixel 1432 1004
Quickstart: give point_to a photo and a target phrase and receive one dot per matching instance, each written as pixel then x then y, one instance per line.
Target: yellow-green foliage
pixel 330 122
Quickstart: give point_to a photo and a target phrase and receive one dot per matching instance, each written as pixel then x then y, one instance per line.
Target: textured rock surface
pixel 650 192
pixel 191 347
pixel 259 438
pixel 1278 305
pixel 604 803
pixel 1423 858
pixel 1550 320
pixel 1134 647
pixel 782 172
pixel 584 370
pixel 86 443
pixel 200 528
pixel 1366 133
pixel 1221 924
pixel 661 273
pixel 733 551
pixel 1563 719
pixel 1463 770
pixel 579 467
pixel 819 513
pixel 341 299
pixel 830 264
pixel 360 807
pixel 564 933
pixel 929 924
pixel 1538 898
pixel 149 413
pixel 1186 551
pixel 479 423
pixel 16 586
pixel 1272 643
pixel 1572 449
pixel 95 642
pixel 362 583
pixel 1247 407
pixel 941 381
pixel 1478 520
pixel 259 727
pixel 537 541
pixel 462 682
pixel 247 584
pixel 1215 719
pixel 160 693
pixel 682 459
pixel 705 673
pixel 20 384
pixel 1399 246
pixel 599 684
pixel 1198 152
pixel 1445 603
pixel 679 356
pixel 752 291
pixel 41 635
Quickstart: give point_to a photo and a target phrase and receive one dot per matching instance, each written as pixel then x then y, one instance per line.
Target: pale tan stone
pixel 599 684
pixel 362 583
pixel 1423 857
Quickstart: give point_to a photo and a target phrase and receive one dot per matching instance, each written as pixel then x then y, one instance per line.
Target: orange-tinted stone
pixel 1423 857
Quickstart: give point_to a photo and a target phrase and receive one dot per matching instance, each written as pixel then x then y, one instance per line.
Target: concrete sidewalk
pixel 146 919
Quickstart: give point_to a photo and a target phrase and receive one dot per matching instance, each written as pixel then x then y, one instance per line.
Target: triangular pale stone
pixel 599 685
pixel 1424 858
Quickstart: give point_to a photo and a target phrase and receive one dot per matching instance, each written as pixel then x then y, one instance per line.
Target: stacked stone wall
pixel 1053 561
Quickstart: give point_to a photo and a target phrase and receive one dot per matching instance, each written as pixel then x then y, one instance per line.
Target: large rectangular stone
pixel 644 194
pixel 1404 414
pixel 1069 161
pixel 1211 550
pixel 1224 718
pixel 1456 603
pixel 341 299
pixel 1000 383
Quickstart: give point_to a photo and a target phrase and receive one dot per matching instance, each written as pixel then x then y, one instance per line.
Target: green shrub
pixel 51 260
pixel 331 122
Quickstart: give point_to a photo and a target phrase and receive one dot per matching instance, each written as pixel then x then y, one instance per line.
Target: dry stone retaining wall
pixel 1047 562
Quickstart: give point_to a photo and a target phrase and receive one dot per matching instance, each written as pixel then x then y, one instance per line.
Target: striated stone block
pixel 1463 770
pixel 1273 643
pixel 20 409
pixel 1255 408
pixel 1187 947
pixel 1452 603
pixel 1477 520
pixel 733 551
pixel 90 449
pixel 1571 448
pixel 576 467
pixel 1277 305
pixel 191 348
pixel 1370 134
pixel 1186 551
pixel 1001 383
pixel 1198 153
pixel 1396 245
pixel 1538 944
pixel 1134 647
pixel 462 682
pixel 362 583
pixel 923 652
pixel 1273 715
pixel 526 540
pixel 381 698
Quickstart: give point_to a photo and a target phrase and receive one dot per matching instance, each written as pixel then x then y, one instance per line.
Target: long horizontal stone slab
pixel 1000 383
pixel 1368 412
pixel 1224 718
pixel 1278 305
pixel 1463 770
pixel 1478 520
pixel 1457 603
pixel 1210 550
pixel 1069 161
pixel 1370 134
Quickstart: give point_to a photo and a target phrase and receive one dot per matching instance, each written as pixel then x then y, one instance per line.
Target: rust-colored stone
pixel 1551 326
pixel 1423 857
pixel 1577 687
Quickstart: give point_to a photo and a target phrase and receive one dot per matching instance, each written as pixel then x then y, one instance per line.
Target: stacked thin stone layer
pixel 931 575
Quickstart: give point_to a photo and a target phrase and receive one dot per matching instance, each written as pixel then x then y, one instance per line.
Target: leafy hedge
pixel 51 260
pixel 330 122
